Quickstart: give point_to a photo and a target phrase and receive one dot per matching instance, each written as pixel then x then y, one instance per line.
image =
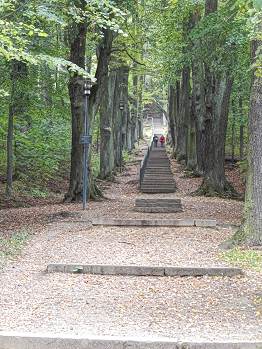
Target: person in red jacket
pixel 162 140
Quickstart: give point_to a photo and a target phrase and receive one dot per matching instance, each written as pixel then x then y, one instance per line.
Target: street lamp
pixel 121 107
pixel 86 140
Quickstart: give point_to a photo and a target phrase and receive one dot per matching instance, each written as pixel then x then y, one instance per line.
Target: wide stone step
pixel 162 179
pixel 160 209
pixel 185 222
pixel 159 162
pixel 157 191
pixel 18 340
pixel 161 172
pixel 157 202
pixel 159 184
pixel 158 168
pixel 137 270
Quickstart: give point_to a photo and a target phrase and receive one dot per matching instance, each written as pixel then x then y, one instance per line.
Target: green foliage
pixel 11 246
pixel 244 258
pixel 95 163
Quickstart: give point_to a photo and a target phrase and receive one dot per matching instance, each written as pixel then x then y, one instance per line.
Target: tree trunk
pixel 253 204
pixel 241 130
pixel 125 112
pixel 217 91
pixel 17 108
pixel 106 129
pixel 117 118
pixel 251 229
pixel 233 131
pixel 75 87
pixel 140 107
pixel 172 109
pixel 77 56
pixel 197 108
pixel 183 116
pixel 217 99
pixel 198 95
pixel 191 140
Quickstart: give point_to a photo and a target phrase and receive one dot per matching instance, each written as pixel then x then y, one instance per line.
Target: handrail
pixel 144 163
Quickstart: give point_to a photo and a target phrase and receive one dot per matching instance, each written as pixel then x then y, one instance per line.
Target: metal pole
pixel 86 144
pixel 121 107
pixel 121 144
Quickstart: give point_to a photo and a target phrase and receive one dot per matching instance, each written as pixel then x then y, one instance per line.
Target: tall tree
pixel 217 92
pixel 17 109
pixel 77 36
pixel 251 229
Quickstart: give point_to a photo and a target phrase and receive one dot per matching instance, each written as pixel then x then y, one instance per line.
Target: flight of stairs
pixel 158 205
pixel 158 177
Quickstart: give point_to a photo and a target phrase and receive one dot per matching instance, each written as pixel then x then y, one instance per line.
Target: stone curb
pixel 14 340
pixel 188 222
pixel 135 270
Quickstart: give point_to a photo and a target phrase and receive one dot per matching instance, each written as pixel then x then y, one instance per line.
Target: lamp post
pixel 86 140
pixel 121 107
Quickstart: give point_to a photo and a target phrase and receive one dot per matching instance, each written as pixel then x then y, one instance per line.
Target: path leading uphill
pixel 146 308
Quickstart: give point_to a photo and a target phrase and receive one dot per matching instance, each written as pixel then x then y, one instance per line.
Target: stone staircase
pixel 157 176
pixel 158 205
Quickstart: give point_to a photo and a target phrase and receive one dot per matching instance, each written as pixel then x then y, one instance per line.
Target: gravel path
pixel 181 308
pixel 130 246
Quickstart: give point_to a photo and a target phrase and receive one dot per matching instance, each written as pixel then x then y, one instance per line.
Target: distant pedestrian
pixel 162 140
pixel 155 140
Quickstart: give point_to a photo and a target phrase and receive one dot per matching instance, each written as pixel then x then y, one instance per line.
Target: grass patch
pixel 244 258
pixel 11 246
pixel 129 156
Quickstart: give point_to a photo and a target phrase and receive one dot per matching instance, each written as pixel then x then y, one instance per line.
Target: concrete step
pixel 154 169
pixel 184 222
pixel 157 186
pixel 157 202
pixel 28 340
pixel 141 270
pixel 158 178
pixel 159 183
pixel 160 209
pixel 158 190
pixel 155 163
pixel 165 173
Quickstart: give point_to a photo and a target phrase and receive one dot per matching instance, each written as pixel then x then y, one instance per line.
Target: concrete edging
pixel 15 340
pixel 134 270
pixel 186 222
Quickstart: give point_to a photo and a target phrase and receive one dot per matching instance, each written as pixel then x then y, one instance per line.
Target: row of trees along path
pixel 209 81
pixel 206 54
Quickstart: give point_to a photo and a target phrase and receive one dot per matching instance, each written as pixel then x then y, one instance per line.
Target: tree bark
pixel 17 108
pixel 172 109
pixel 251 229
pixel 125 112
pixel 106 129
pixel 217 91
pixel 253 204
pixel 217 98
pixel 241 131
pixel 191 164
pixel 183 116
pixel 77 56
pixel 233 131
pixel 75 86
pixel 198 95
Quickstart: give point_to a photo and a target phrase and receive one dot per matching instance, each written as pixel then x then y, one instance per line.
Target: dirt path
pixel 180 308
